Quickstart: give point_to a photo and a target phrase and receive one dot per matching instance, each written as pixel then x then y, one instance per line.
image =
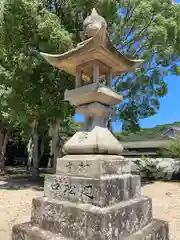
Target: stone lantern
pixel 93 195
pixel 93 63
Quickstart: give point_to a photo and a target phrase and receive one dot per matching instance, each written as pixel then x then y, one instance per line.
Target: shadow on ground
pixel 18 179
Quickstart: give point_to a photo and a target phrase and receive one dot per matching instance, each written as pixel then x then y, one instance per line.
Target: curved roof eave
pixel 100 40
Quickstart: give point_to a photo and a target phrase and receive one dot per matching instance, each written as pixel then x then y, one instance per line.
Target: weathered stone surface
pixel 27 231
pixel 94 109
pixel 98 141
pixel 157 230
pixel 93 23
pixel 92 165
pixel 36 211
pixel 107 190
pixel 81 221
pixel 95 92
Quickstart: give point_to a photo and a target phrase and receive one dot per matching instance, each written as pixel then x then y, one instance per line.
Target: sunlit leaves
pixel 36 87
pixel 175 70
pixel 149 30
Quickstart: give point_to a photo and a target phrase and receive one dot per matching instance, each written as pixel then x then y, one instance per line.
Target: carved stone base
pixel 92 165
pixel 157 230
pixel 92 197
pixel 85 221
pixel 78 190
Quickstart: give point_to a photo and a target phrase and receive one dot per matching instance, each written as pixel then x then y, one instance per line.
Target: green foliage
pixel 147 29
pixel 140 29
pixel 146 134
pixel 35 89
pixel 173 149
pixel 149 168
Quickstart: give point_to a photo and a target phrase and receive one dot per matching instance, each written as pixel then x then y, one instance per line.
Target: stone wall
pixel 169 165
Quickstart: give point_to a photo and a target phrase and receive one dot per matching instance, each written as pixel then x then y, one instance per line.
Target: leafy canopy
pixel 147 29
pixel 35 89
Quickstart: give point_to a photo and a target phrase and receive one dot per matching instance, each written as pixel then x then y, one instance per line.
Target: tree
pixel 147 29
pixel 36 89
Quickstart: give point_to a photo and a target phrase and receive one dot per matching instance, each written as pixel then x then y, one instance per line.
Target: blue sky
pixel 169 106
pixel 176 1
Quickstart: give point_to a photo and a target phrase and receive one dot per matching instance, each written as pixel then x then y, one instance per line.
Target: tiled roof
pixel 145 144
pixel 171 128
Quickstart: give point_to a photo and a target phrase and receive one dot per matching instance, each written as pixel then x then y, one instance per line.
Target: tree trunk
pixel 35 162
pixel 3 146
pixel 30 154
pixel 41 148
pixel 57 144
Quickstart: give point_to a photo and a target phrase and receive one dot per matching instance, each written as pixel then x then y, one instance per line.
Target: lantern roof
pixel 97 46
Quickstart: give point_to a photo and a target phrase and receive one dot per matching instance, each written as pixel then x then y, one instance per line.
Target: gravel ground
pixel 15 204
pixel 166 204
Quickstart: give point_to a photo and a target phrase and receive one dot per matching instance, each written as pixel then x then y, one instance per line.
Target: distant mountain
pixel 146 134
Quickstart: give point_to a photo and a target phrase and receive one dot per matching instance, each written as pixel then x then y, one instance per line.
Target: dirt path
pixel 166 204
pixel 15 205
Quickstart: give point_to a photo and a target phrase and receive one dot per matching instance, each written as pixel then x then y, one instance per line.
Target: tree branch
pixel 140 48
pixel 127 18
pixel 128 34
pixel 152 68
pixel 140 33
